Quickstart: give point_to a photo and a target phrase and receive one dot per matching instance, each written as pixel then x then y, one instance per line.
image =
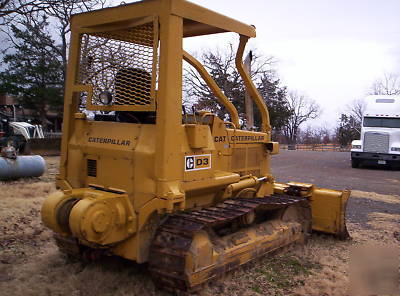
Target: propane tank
pixel 21 167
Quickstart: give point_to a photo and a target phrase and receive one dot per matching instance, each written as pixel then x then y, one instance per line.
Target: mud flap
pixel 328 206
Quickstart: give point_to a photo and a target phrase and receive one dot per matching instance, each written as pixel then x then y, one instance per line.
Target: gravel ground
pixel 333 170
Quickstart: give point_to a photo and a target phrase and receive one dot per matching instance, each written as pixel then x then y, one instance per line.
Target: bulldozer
pixel 190 194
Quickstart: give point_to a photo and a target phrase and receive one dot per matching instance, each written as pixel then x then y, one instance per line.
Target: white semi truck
pixel 380 133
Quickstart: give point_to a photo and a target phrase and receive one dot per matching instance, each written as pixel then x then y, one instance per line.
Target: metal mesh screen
pixel 121 62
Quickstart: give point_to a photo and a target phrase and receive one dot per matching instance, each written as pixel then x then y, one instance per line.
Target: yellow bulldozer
pixel 190 194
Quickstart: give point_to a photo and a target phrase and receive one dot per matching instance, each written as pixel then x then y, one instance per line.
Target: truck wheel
pixel 354 163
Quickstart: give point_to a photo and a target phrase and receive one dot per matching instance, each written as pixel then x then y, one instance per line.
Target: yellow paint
pixel 127 175
pixel 328 206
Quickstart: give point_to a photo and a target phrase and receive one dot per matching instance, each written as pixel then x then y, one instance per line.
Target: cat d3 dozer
pixel 190 193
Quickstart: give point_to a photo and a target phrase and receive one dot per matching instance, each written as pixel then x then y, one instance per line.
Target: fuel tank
pixel 21 167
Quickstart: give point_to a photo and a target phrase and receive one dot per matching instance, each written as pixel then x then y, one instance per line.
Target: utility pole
pixel 248 103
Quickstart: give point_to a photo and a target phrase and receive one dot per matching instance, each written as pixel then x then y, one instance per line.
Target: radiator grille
pixel 376 142
pixel 238 159
pixel 254 156
pixel 92 168
pixel 122 62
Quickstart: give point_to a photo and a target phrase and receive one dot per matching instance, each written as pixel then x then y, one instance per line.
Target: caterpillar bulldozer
pixel 192 194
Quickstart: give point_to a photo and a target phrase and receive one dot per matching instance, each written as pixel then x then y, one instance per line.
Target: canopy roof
pixel 197 20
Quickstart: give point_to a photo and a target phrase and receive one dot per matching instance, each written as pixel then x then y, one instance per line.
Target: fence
pixel 315 147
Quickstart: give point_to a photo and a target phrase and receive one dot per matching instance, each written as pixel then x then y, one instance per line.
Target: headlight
pixel 397 149
pixel 105 98
pixel 356 146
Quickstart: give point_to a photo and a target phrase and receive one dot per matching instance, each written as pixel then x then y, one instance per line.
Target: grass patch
pixel 286 271
pixel 256 289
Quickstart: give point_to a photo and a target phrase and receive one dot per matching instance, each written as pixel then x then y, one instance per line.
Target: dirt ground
pixel 30 264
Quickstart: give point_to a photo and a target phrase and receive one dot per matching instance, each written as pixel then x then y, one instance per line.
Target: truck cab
pixel 380 133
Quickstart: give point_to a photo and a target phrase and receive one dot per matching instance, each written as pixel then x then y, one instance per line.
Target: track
pixel 172 245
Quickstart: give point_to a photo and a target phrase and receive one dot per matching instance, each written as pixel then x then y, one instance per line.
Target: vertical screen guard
pixel 121 63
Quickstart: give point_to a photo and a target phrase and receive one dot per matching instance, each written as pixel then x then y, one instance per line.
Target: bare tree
pixel 221 67
pixel 315 135
pixel 356 108
pixel 12 8
pixel 38 19
pixel 303 109
pixel 355 111
pixel 62 11
pixel 349 124
pixel 22 12
pixel 388 85
pixel 306 135
pixel 324 134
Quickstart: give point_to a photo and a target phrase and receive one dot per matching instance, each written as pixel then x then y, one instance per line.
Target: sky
pixel 332 51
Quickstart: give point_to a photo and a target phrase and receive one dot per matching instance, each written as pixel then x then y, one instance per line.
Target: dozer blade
pixel 43 146
pixel 328 206
pixel 193 247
